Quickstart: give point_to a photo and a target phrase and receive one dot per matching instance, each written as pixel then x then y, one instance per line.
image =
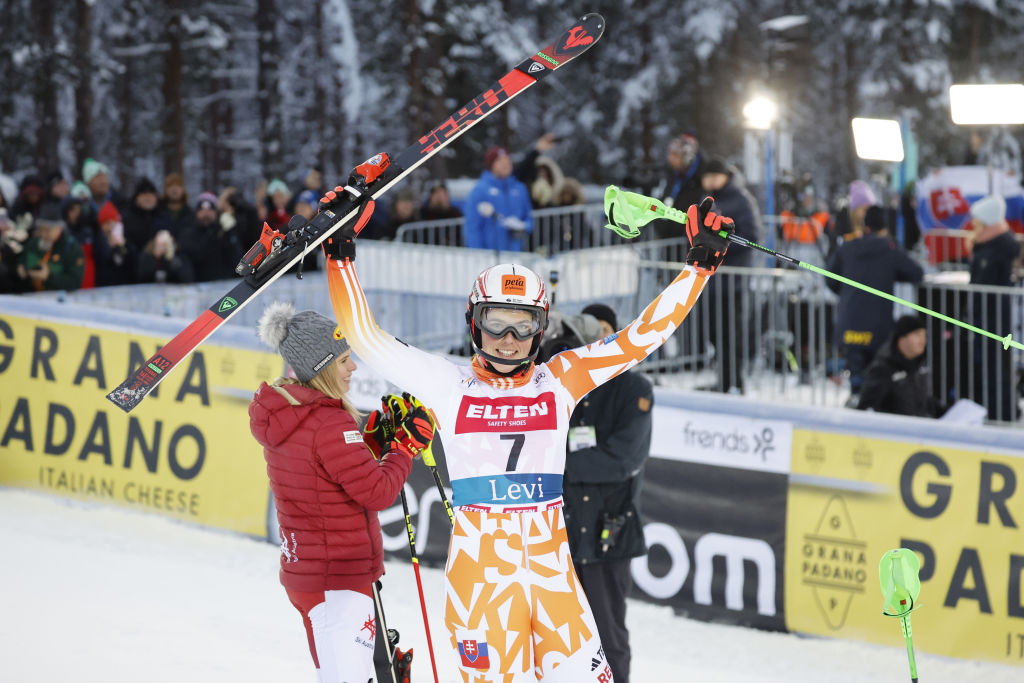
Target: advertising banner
pixel 186 451
pixel 715 542
pixel 851 499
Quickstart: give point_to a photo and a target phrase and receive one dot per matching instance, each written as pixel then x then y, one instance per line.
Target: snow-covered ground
pixel 95 593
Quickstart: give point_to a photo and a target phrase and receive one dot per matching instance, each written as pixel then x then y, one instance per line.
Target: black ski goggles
pixel 497 320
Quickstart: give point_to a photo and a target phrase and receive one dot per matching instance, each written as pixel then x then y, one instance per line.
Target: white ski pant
pixel 341 630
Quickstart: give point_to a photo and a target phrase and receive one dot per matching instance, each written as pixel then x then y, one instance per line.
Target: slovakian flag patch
pixel 474 654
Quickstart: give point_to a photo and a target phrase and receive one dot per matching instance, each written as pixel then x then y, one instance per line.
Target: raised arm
pixel 582 369
pixel 423 374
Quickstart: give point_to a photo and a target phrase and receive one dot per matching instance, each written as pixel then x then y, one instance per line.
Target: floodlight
pixel 760 113
pixel 992 105
pixel 878 139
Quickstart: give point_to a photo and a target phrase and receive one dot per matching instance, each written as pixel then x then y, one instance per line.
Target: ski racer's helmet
pixel 502 287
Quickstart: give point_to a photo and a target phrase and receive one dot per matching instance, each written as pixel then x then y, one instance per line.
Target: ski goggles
pixel 497 320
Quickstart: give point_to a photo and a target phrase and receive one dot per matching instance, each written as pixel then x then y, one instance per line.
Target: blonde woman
pixel 328 487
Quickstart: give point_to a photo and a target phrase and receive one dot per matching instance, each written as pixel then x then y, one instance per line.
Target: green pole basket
pixel 898 576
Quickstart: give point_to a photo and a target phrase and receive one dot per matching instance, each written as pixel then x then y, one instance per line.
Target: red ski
pixel 348 209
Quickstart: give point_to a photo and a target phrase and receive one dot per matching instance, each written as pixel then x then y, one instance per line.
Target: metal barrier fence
pixel 555 230
pixel 767 332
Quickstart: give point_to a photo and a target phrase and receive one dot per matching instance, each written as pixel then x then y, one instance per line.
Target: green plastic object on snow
pixel 627 212
pixel 898 576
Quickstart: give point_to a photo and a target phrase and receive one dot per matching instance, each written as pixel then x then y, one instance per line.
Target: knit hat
pixel 603 312
pixel 277 185
pixel 50 215
pixel 492 155
pixel 307 197
pixel 108 212
pixel 80 190
pixel 874 218
pixel 91 168
pixel 306 340
pixel 861 195
pixel 905 325
pixel 989 210
pixel 208 199
pixel 716 166
pixel 145 186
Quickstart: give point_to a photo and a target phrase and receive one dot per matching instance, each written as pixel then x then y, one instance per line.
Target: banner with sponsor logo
pixel 185 452
pixel 714 501
pixel 852 499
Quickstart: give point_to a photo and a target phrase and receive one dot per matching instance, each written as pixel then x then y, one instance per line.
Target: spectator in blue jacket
pixel 498 214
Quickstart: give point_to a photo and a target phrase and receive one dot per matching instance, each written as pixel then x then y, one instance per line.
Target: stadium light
pixel 877 139
pixel 760 113
pixel 991 105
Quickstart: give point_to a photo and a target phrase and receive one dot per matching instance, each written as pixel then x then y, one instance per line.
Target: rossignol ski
pixel 349 209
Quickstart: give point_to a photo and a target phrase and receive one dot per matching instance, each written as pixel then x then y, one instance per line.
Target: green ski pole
pixel 629 211
pixel 898 576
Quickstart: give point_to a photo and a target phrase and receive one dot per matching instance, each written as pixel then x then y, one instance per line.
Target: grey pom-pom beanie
pixel 306 340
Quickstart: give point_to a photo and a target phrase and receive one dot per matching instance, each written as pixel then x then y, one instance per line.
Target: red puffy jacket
pixel 327 486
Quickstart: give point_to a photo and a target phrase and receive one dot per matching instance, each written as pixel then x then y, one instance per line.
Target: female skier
pixel 328 488
pixel 514 608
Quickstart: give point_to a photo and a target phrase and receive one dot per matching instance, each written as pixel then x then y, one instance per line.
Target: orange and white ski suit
pixel 514 607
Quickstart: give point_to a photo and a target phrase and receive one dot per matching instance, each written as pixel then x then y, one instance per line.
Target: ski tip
pixel 578 39
pixel 124 398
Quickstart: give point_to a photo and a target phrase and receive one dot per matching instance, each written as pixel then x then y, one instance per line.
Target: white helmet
pixel 507 286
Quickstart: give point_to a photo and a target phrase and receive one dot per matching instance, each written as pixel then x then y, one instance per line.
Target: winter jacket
pixel 115 265
pixel 900 385
pixel 327 487
pixel 602 483
pixel 140 225
pixel 213 252
pixel 735 201
pixel 511 200
pixel 864 319
pixel 64 259
pixel 992 261
pixel 680 191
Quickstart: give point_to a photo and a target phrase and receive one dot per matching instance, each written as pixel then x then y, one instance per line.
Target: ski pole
pixel 898 576
pixel 628 211
pixel 419 582
pixel 388 647
pixel 427 454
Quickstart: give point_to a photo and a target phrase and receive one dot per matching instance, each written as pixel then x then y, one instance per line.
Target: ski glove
pixel 413 424
pixel 378 434
pixel 704 229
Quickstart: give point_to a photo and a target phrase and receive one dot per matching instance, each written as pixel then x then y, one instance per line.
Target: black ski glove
pixel 704 229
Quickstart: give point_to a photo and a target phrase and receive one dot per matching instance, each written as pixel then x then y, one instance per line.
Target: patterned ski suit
pixel 514 608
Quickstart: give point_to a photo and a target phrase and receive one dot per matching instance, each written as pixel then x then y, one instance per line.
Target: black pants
pixel 728 329
pixel 607 584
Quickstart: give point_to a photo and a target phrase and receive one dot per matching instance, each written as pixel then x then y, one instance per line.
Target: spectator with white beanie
pixel 993 249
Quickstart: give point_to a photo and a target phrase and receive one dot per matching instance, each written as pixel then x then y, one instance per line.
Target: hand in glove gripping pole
pixel 414 426
pixel 708 233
